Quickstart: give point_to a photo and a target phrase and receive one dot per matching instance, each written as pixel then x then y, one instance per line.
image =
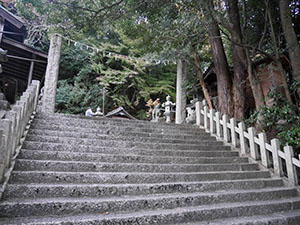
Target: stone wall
pixel 13 125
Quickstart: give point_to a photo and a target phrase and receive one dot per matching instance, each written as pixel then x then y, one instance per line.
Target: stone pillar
pixel 48 101
pixel 180 93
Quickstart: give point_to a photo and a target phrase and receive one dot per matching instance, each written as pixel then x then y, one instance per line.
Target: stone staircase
pixel 79 170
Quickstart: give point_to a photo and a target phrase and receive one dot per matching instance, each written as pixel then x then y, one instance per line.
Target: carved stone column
pixel 48 101
pixel 180 93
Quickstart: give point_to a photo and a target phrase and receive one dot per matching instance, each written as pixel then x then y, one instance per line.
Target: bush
pixel 280 120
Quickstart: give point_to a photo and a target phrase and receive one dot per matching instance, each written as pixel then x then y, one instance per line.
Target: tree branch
pixel 109 6
pixel 249 47
pixel 68 4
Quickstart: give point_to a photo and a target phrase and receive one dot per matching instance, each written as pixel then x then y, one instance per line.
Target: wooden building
pixel 24 63
pixel 268 75
pixel 120 113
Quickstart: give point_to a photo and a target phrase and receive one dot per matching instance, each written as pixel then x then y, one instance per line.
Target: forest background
pixel 135 44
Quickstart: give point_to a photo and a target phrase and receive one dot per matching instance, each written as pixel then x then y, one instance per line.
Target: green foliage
pixel 77 87
pixel 280 118
pixel 128 82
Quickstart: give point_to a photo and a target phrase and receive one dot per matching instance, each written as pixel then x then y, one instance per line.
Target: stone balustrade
pixel 282 161
pixel 13 125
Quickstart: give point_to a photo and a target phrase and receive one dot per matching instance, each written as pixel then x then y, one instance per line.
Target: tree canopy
pixel 231 34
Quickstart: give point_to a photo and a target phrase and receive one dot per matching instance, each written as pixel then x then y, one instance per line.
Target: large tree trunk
pixel 291 38
pixel 239 60
pixel 255 85
pixel 224 84
pixel 256 91
pixel 277 59
pixel 201 78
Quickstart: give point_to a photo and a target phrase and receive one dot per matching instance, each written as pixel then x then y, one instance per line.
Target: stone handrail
pixel 256 145
pixel 13 125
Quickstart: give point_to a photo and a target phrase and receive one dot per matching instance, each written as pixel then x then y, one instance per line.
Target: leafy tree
pixel 128 81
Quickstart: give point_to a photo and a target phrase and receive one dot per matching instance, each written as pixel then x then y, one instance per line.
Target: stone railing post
pixel 265 159
pixel 291 171
pixel 211 121
pixel 225 128
pixel 13 126
pixel 218 125
pixel 242 128
pixel 233 133
pixel 258 147
pixel 253 148
pixel 276 159
pixel 2 158
pixel 198 113
pixel 205 117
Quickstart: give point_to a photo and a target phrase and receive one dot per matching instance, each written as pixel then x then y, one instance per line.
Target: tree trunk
pixel 224 84
pixel 201 78
pixel 291 39
pixel 239 60
pixel 256 91
pixel 277 59
pixel 255 85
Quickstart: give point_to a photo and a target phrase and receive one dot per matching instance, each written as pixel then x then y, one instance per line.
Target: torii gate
pixel 48 100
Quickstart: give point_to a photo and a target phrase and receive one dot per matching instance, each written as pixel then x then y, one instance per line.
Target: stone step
pixel 90 132
pixel 55 119
pixel 75 206
pixel 280 218
pixel 168 216
pixel 129 177
pixel 130 158
pixel 96 190
pixel 123 136
pixel 108 128
pixel 35 145
pixel 219 152
pixel 121 143
pixel 81 166
pixel 110 121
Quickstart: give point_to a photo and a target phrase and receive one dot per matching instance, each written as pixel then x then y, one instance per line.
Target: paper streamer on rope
pixel 105 53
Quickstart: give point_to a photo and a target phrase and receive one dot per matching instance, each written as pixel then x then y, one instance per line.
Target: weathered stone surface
pixel 126 204
pixel 3 105
pixel 48 100
pixel 74 170
pixel 130 158
pixel 94 190
pixel 2 97
pixel 181 79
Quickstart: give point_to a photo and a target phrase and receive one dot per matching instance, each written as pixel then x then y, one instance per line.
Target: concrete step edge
pixel 80 146
pixel 105 119
pixel 85 166
pixel 156 197
pixel 58 139
pixel 93 189
pixel 127 155
pixel 163 216
pixel 122 132
pixel 118 123
pixel 162 139
pixel 290 217
pixel 129 177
